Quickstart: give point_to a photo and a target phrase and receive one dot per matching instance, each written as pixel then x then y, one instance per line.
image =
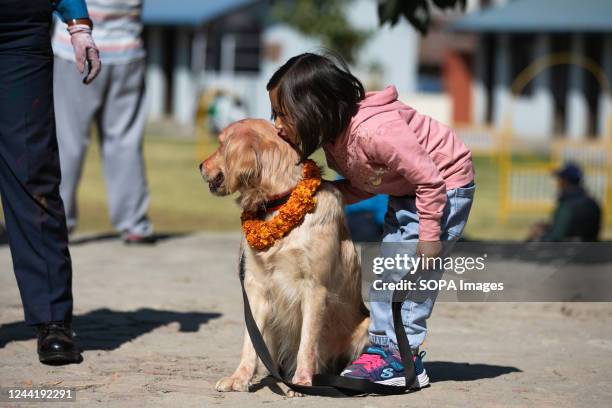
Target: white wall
pixel 605 99
pixel 155 77
pixel 533 115
pixel 576 120
pixel 291 43
pixel 394 49
pixel 436 105
pixel 183 92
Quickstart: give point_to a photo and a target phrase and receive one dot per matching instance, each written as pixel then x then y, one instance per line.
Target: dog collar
pixel 261 234
pixel 276 202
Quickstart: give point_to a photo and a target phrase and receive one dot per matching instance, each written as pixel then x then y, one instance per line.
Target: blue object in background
pixel 366 218
pixel 376 205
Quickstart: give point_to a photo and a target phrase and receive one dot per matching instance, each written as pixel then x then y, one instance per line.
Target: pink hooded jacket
pixel 390 148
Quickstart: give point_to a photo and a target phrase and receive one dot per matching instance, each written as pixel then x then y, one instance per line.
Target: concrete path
pixel 161 324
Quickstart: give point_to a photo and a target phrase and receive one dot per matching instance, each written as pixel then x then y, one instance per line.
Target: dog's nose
pixel 202 172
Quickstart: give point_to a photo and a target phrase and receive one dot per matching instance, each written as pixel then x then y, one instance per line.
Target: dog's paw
pixel 228 384
pixel 299 380
pixel 294 394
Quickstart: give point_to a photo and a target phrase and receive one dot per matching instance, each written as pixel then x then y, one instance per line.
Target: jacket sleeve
pixel 396 146
pixel 70 9
pixel 561 224
pixel 350 193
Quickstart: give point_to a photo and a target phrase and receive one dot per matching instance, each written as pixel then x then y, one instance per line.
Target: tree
pixel 417 12
pixel 325 19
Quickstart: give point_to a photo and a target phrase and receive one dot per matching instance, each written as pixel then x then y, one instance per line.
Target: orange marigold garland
pixel 262 234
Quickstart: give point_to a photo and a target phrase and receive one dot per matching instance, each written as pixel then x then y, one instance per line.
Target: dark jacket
pixel 576 218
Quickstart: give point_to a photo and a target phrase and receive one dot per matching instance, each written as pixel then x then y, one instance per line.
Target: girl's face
pixel 282 122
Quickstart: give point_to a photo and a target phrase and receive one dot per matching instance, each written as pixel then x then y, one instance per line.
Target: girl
pixel 380 146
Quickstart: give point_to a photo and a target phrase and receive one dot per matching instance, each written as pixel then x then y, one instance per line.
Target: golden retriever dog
pixel 305 290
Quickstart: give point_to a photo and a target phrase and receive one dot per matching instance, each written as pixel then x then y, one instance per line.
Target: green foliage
pixel 417 12
pixel 325 19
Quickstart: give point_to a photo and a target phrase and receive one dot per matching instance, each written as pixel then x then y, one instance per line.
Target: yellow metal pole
pixel 505 168
pixel 607 204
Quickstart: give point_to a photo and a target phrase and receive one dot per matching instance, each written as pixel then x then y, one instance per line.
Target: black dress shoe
pixel 56 345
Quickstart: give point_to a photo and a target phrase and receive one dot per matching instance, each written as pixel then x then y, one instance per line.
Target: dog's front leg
pixel 241 379
pixel 313 306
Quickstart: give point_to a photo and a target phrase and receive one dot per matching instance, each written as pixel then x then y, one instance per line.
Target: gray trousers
pixel 116 102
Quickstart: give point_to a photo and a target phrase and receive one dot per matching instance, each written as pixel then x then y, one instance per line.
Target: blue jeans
pixel 402 225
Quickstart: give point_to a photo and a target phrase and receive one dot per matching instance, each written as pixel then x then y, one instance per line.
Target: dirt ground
pixel 161 324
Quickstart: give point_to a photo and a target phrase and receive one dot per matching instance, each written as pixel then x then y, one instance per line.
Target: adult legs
pixel 29 164
pixel 121 127
pixel 76 105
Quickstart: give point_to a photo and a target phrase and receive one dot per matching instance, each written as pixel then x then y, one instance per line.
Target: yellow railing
pixel 528 187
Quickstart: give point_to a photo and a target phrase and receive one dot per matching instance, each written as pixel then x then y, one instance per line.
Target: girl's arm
pixel 396 147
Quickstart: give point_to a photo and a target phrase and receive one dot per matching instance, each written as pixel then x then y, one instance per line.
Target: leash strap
pixel 333 385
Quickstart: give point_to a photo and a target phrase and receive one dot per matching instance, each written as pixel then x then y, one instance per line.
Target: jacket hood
pixel 375 103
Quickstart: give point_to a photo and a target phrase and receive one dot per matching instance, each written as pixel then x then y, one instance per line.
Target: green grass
pixel 483 222
pixel 181 202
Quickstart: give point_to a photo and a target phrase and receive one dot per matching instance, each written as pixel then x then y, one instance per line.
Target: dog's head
pixel 251 159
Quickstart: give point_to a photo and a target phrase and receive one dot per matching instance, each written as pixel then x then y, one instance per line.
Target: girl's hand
pixel 428 249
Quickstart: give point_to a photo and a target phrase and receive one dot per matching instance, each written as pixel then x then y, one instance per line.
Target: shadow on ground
pixel 112 236
pixel 438 371
pixel 105 329
pixel 101 237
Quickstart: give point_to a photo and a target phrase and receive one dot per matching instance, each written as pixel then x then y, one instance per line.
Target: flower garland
pixel 262 234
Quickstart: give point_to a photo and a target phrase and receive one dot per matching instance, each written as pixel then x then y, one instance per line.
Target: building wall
pixel 392 51
pixel 532 113
pixel 457 78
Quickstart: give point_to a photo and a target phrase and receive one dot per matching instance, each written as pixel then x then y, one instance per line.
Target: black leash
pixel 327 385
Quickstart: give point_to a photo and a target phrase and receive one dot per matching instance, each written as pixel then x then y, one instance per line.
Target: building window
pixel 522 51
pixel 248 52
pixel 559 74
pixel 430 78
pixel 233 52
pixel 233 43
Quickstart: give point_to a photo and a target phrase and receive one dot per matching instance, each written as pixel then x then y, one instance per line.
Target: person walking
pixel 29 164
pixel 116 103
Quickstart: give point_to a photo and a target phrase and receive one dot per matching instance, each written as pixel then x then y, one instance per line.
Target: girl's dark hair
pixel 319 95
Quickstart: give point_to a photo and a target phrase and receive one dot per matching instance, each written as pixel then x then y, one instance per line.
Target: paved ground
pixel 161 324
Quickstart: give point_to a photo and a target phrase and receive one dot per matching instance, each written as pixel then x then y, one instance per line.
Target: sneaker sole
pixel 422 381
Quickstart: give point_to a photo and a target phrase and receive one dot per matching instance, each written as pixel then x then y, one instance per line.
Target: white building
pixel 565 99
pixel 196 45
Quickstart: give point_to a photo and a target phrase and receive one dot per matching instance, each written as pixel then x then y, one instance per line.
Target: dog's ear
pixel 243 166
